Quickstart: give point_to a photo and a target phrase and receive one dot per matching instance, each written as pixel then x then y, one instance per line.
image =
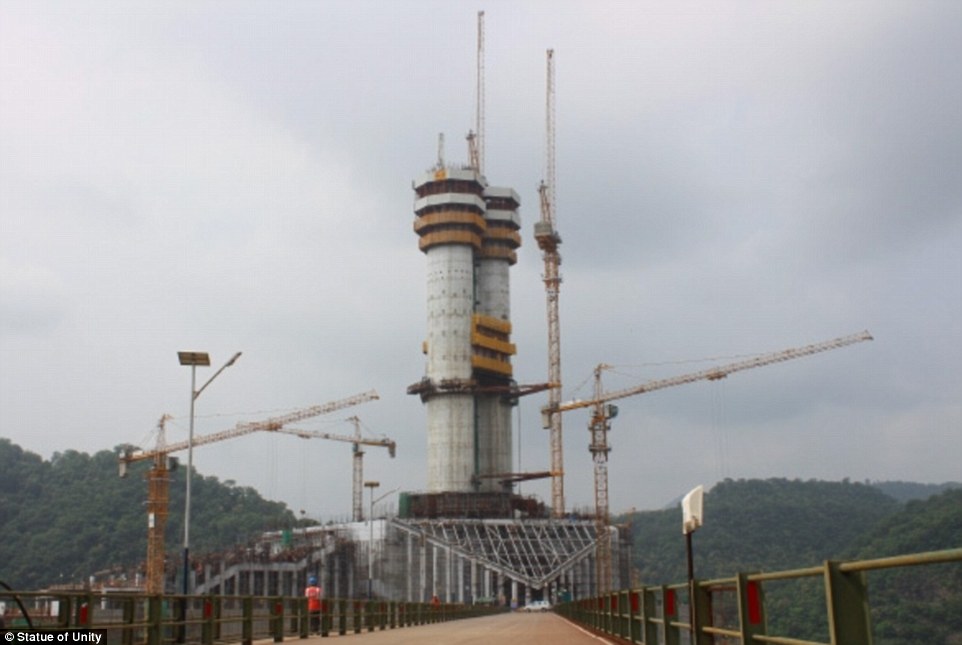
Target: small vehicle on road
pixel 537 605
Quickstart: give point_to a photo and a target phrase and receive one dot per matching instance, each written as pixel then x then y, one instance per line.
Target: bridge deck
pixel 544 628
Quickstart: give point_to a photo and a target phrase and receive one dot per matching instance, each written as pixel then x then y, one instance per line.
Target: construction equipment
pixel 476 138
pixel 358 457
pixel 158 477
pixel 602 411
pixel 548 241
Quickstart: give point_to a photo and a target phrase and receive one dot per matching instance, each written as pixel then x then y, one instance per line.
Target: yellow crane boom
pixel 267 425
pixel 358 457
pixel 603 412
pixel 716 373
pixel 158 477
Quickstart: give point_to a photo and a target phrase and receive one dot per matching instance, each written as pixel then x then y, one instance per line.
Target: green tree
pixel 64 519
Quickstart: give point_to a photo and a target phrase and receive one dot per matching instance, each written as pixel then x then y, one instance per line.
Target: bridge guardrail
pixel 660 614
pixel 134 619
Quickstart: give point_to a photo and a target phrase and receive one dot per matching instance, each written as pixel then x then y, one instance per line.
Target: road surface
pixel 543 628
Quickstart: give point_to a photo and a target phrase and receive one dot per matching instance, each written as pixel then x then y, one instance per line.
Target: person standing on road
pixel 313 593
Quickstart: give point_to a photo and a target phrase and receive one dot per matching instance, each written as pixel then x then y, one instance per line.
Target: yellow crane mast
pixel 476 137
pixel 158 477
pixel 358 457
pixel 602 411
pixel 548 241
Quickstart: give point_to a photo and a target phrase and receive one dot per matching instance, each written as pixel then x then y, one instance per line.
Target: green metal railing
pixel 661 614
pixel 138 619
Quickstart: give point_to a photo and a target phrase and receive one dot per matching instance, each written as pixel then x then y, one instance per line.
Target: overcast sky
pixel 733 179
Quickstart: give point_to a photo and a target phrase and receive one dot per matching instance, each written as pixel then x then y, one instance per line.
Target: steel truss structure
pixel 534 553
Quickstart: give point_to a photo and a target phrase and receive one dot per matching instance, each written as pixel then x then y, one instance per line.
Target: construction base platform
pixel 509 562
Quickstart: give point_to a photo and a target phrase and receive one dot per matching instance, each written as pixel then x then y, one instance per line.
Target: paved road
pixel 514 629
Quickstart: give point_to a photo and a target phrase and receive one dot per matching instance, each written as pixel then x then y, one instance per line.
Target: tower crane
pixel 158 477
pixel 548 241
pixel 476 138
pixel 358 457
pixel 602 411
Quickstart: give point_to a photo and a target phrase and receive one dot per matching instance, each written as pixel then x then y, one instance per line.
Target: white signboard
pixel 692 510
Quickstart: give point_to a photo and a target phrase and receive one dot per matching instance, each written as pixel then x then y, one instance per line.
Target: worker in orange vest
pixel 313 593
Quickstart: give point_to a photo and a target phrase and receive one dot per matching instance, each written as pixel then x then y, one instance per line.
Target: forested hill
pixel 760 524
pixel 777 524
pixel 64 519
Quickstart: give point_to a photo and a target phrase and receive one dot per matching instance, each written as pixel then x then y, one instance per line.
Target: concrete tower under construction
pixel 468 536
pixel 468 231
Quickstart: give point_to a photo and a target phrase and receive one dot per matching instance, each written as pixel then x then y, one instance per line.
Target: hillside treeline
pixel 65 518
pixel 777 524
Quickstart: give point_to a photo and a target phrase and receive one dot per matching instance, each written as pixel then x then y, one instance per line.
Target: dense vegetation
pixel 917 604
pixel 64 519
pixel 779 524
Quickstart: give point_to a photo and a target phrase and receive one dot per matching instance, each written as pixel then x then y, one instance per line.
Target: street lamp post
pixel 692 510
pixel 194 359
pixel 371 485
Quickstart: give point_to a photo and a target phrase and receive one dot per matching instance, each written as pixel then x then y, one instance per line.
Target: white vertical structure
pixel 449 208
pixel 469 234
pixel 491 332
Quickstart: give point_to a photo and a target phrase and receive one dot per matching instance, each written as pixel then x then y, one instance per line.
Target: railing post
pixel 701 614
pixel 247 620
pixel 130 613
pixel 614 610
pixel 341 617
pixel 326 618
pixel 207 628
pixel 669 603
pixel 624 614
pixel 607 602
pixel 649 628
pixel 277 620
pixel 356 615
pixel 181 604
pixel 634 615
pixel 846 597
pixel 66 605
pixel 303 618
pixel 218 613
pixel 85 611
pixel 154 620
pixel 751 608
pixel 605 616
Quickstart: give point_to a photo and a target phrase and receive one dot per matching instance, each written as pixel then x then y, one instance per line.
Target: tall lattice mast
pixel 548 241
pixel 479 97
